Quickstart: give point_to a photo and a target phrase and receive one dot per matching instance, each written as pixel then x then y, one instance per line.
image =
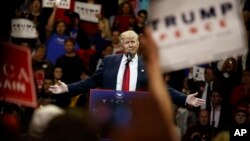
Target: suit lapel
pixel 116 65
pixel 141 73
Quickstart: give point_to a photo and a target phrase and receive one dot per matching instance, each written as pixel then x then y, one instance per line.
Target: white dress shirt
pixel 99 62
pixel 204 94
pixel 217 113
pixel 133 65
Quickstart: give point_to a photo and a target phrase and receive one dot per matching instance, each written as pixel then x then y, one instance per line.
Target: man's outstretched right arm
pixel 82 86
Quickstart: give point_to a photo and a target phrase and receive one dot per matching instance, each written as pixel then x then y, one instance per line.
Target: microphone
pixel 129 56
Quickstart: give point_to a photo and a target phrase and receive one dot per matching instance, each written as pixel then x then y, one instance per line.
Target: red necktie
pixel 126 76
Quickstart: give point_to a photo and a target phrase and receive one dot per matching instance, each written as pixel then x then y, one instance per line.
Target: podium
pixel 112 109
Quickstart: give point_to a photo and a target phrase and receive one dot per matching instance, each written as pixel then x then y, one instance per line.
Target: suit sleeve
pixel 177 97
pixel 84 86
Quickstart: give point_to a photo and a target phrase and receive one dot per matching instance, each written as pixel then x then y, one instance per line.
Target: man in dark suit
pixel 110 74
pixel 204 88
pixel 219 112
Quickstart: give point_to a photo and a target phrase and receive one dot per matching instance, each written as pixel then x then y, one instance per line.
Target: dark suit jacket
pixel 105 78
pixel 224 119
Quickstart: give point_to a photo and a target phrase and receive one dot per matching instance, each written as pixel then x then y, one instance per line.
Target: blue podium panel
pixel 112 109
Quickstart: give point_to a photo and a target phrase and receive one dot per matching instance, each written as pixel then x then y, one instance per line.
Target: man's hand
pixel 194 101
pixel 59 88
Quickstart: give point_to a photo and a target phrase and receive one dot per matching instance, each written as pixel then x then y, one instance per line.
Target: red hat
pixel 241 108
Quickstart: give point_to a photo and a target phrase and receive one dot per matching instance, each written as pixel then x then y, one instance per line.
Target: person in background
pixel 239 121
pixel 56 34
pixel 125 18
pixel 32 11
pixel 219 113
pixel 91 28
pixel 103 36
pixel 242 91
pixel 240 116
pixel 185 116
pixel 97 60
pixel 110 8
pixel 36 14
pixel 39 61
pixel 229 74
pixel 135 5
pixel 115 33
pixel 142 16
pixel 71 64
pixel 57 74
pixel 44 97
pixel 204 87
pixel 202 131
pixel 47 98
pixel 41 66
pixel 75 30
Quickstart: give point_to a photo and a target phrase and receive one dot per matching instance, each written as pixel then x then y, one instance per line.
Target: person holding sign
pixel 123 72
pixel 56 32
pixel 36 14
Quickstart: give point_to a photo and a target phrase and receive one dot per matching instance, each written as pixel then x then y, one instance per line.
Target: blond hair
pixel 106 30
pixel 129 33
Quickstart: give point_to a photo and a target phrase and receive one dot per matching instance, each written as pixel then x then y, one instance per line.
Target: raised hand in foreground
pixel 157 88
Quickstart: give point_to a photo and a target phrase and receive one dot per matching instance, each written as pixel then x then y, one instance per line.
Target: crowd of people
pixel 69 50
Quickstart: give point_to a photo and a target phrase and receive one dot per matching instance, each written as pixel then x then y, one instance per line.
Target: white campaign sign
pixel 63 4
pixel 198 73
pixel 197 32
pixel 23 28
pixel 87 11
pixel 48 3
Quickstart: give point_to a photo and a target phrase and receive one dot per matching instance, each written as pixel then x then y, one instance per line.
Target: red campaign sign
pixel 16 76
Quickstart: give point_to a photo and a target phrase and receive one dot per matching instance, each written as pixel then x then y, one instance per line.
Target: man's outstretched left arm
pixel 182 100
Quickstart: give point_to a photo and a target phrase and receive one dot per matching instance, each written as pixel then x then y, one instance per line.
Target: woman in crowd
pixel 125 19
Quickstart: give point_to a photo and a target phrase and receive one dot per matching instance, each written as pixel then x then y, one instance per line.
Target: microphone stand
pixel 213 121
